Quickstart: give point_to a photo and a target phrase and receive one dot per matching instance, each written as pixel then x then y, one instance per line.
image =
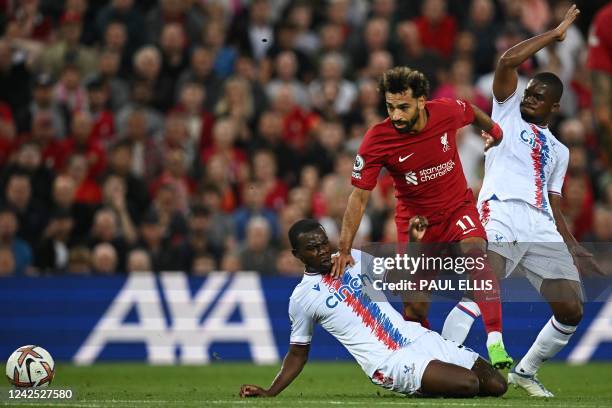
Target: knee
pixel 497 386
pixel 571 313
pixel 469 386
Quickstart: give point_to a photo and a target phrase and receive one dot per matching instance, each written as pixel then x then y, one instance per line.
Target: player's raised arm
pixel 357 202
pixel 293 363
pixel 505 80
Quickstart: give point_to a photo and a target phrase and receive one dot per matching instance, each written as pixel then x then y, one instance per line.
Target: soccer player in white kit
pixel 520 207
pixel 396 354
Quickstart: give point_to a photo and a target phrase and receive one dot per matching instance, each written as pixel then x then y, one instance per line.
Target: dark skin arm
pixel 294 362
pixel 357 202
pixel 485 124
pixel 506 78
pixel 583 259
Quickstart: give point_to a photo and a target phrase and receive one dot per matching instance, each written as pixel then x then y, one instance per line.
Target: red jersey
pixel 425 166
pixel 600 41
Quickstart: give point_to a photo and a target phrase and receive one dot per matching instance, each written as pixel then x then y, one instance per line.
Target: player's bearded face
pixel 403 111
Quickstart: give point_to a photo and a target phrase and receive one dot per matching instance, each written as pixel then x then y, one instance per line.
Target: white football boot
pixel 529 383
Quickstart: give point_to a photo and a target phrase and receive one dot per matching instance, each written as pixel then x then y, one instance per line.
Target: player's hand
pixel 569 18
pixel 489 141
pixel 249 390
pixel 339 261
pixel 417 227
pixel 585 261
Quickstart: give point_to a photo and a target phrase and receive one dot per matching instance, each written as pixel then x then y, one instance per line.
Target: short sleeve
pixel 367 165
pixel 301 324
pixel 463 112
pixel 503 110
pixel 555 183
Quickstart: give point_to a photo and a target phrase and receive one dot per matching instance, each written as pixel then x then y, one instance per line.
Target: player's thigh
pixel 445 379
pixel 464 223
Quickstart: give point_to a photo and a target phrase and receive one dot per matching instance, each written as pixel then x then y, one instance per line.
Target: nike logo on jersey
pixel 403 159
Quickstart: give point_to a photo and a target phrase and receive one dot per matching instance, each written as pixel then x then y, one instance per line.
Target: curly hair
pixel 398 80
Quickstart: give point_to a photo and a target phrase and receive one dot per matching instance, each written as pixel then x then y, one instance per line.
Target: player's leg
pixel 488 301
pixel 449 380
pixel 461 318
pixel 565 299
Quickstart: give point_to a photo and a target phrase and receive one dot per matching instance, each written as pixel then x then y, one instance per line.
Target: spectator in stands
pixel 109 70
pixel 459 85
pixel 300 15
pixel 79 260
pixel 68 91
pixel 68 50
pixel 63 199
pixel 80 142
pixel 203 265
pixel 254 195
pixel 115 197
pixel 198 121
pixel 43 101
pixel 115 40
pixel 138 261
pixel 175 174
pixel 265 172
pixel 250 28
pixel 28 161
pixel 172 220
pixel 105 229
pixel 332 69
pixel 120 165
pixel 483 28
pixel 285 73
pixel 224 141
pixel 224 57
pixel 375 38
pixel 31 215
pixel 163 255
pixel 201 71
pixel 125 12
pixel 103 127
pixel 256 253
pixel 322 151
pixel 170 12
pixel 297 123
pixel 104 260
pixel 221 231
pixel 7 261
pixel 411 52
pixel 437 28
pixel 52 253
pixel 269 136
pixel 15 76
pixel 174 61
pixel 21 252
pixel 237 103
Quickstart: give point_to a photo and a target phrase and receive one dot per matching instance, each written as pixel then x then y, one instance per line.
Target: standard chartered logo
pixel 430 173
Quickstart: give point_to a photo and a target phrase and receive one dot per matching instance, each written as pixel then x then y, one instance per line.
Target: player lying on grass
pixel 522 213
pixel 396 354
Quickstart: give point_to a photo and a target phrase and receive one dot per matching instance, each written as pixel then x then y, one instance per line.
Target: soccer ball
pixel 30 367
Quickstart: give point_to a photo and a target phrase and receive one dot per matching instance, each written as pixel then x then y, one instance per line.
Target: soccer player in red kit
pixel 417 146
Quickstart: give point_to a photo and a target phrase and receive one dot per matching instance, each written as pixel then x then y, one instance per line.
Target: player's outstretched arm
pixel 357 202
pixel 294 362
pixel 505 79
pixel 492 133
pixel 582 257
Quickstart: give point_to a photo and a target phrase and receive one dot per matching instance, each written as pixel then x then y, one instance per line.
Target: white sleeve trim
pixel 505 100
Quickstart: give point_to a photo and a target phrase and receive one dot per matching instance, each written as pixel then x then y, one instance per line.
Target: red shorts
pixel 461 224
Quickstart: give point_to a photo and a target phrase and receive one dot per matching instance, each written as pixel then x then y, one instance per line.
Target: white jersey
pixel 371 331
pixel 529 162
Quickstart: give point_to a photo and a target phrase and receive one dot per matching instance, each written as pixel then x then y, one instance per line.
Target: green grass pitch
pixel 330 384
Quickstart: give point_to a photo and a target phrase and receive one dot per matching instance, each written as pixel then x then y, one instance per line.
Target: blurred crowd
pixel 190 134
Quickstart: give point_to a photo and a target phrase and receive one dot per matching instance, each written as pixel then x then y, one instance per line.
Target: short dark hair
pixel 398 80
pixel 300 227
pixel 553 84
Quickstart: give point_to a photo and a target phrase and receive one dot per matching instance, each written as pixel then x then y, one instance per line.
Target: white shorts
pixel 403 370
pixel 528 239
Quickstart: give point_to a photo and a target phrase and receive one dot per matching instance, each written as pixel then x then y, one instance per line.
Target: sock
pixel 552 338
pixel 488 301
pixel 494 337
pixel 459 321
